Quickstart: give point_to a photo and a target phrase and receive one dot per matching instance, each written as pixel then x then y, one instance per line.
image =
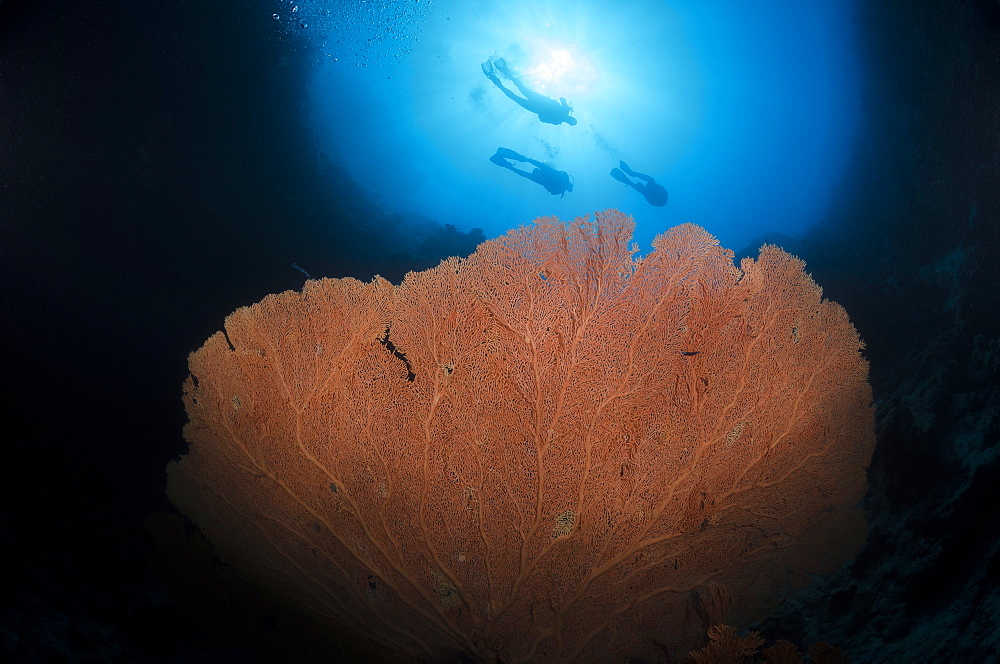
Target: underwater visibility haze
pixel 746 112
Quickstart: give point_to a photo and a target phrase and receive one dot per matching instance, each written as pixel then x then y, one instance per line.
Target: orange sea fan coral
pixel 542 452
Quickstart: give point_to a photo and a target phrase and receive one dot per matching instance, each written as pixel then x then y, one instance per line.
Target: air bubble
pixel 382 31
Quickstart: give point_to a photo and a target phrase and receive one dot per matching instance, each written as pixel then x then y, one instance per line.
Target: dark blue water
pixel 745 111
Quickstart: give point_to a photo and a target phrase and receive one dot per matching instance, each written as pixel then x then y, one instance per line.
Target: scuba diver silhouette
pixel 547 109
pixel 555 182
pixel 654 193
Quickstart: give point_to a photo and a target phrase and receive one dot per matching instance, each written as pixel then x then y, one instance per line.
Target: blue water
pixel 744 110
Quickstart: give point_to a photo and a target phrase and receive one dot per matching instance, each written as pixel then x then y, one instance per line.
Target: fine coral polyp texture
pixel 545 452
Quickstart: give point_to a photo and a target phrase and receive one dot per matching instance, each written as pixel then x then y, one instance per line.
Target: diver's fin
pixel 618 175
pixel 625 167
pixel 500 161
pixel 507 153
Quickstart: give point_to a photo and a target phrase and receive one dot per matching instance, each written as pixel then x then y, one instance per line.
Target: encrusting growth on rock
pixel 544 452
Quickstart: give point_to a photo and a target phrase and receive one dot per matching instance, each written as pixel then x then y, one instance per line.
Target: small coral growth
pixel 725 646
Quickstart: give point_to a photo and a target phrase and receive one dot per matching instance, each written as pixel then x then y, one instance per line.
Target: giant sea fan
pixel 543 452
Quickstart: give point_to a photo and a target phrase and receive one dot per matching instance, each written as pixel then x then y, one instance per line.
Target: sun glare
pixel 702 95
pixel 559 69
